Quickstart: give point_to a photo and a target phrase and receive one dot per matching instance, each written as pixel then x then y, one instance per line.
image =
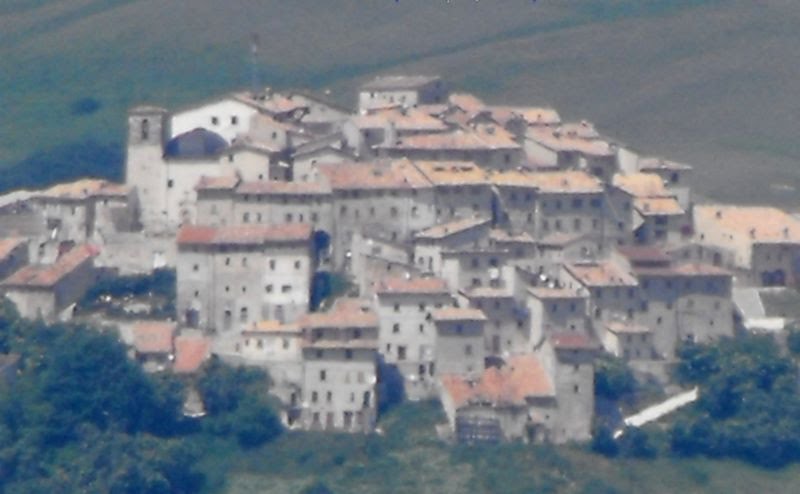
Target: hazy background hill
pixel 712 83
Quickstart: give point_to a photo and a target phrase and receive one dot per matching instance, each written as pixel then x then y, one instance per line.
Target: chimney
pixel 752 233
pixel 719 213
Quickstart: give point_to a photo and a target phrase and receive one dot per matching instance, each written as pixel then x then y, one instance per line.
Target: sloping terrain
pixel 709 82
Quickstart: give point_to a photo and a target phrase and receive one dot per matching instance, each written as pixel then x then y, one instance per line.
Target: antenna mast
pixel 254 82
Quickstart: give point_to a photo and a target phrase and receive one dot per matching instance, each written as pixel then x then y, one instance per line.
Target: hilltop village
pixel 489 254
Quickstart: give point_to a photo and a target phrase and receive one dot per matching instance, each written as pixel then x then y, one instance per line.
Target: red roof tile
pixel 417 285
pixel 190 353
pixel 153 336
pixel 244 234
pixel 46 276
pixel 522 377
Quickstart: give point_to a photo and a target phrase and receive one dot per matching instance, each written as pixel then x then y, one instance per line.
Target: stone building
pixel 555 310
pixel 491 147
pixel 13 255
pixel 401 90
pixel 231 276
pixel 45 291
pixel 153 345
pixel 460 348
pixel 507 319
pixel 762 243
pixel 340 368
pixel 516 401
pixel 407 330
pixel 651 212
pixel 390 196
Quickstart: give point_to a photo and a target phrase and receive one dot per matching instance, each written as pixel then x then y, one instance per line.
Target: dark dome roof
pixel 197 143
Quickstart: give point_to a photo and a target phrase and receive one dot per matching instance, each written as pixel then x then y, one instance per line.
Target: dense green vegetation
pixel 749 405
pixel 82 417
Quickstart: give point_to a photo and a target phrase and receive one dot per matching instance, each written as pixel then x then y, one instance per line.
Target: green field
pixel 713 83
pixel 409 458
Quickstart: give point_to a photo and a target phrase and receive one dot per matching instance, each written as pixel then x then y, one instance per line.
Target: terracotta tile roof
pixel 7 245
pixel 643 254
pixel 416 285
pixel 444 230
pixel 346 313
pixel 360 344
pixel 272 327
pixel 460 140
pixel 398 82
pixel 244 234
pixel 652 163
pixel 521 378
pixel 683 270
pixel 404 120
pixel 544 292
pixel 84 189
pixel 658 206
pixel 433 110
pixel 46 276
pixel 503 236
pixel 452 173
pixel 467 102
pixel 566 182
pixel 531 114
pixel 515 178
pixel 217 183
pixel 400 174
pixel 641 184
pixel 624 327
pixel 601 274
pixel 272 103
pixel 153 336
pixel 458 314
pixel 573 341
pixel 191 350
pixel 756 223
pixel 560 140
pixel 276 187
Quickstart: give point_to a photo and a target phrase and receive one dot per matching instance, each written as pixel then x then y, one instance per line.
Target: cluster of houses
pixel 494 253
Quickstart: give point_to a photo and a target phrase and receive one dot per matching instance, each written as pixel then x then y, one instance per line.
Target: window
pixel 244 262
pixel 246 218
pixel 227 261
pixel 170 184
pixel 145 130
pixel 196 267
pixel 397 307
pixel 272 264
pixel 396 328
pixel 393 212
pixel 234 120
pixel 577 203
pixel 401 352
pixel 243 314
pixel 576 388
pixel 348 354
pixel 323 375
pixel 297 264
pixel 286 288
pixel 422 327
pixel 268 288
pixel 468 350
pixel 314 397
pixel 214 121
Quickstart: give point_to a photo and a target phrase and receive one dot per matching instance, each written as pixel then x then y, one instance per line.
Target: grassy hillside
pixel 709 82
pixel 409 459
